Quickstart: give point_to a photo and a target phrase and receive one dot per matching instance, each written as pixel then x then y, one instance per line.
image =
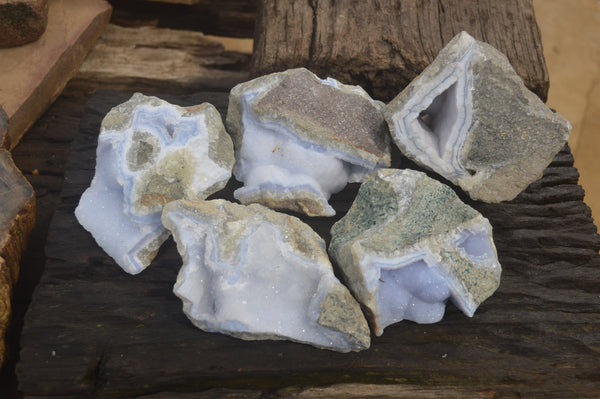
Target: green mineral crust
pixel 470 118
pixel 402 219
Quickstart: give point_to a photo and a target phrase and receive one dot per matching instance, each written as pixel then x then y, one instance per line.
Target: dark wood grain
pixel 44 168
pixel 92 330
pixel 233 18
pixel 382 45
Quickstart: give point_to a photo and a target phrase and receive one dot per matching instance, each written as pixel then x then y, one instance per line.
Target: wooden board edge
pixel 58 77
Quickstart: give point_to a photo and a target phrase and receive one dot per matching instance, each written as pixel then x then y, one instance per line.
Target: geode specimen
pixel 149 153
pixel 408 244
pixel 298 139
pixel 470 118
pixel 254 273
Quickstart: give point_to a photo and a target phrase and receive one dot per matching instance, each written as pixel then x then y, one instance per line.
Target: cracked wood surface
pixel 154 60
pixel 93 330
pixel 383 45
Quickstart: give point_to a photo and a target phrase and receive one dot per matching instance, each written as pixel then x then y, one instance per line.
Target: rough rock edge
pixel 303 237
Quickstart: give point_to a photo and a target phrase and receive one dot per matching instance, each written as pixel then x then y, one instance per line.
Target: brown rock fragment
pixel 17 217
pixel 17 213
pixel 22 21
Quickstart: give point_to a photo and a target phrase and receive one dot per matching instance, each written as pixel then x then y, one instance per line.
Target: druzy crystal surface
pixel 254 273
pixel 149 153
pixel 298 139
pixel 408 244
pixel 470 118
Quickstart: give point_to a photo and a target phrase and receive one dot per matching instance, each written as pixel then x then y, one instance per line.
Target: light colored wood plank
pixel 32 76
pixel 241 45
pixel 150 59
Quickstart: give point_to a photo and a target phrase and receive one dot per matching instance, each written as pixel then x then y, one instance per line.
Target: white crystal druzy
pixel 149 153
pixel 254 273
pixel 299 139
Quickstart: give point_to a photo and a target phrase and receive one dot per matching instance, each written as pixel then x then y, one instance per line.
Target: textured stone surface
pixel 17 213
pixel 408 244
pixel 299 139
pixel 17 217
pixel 470 118
pixel 22 21
pixel 149 153
pixel 254 273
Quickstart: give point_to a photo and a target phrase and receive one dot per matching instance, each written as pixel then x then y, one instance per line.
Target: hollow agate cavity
pixel 254 273
pixel 470 118
pixel 408 244
pixel 149 153
pixel 298 139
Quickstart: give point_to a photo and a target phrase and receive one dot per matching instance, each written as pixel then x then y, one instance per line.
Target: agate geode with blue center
pixel 408 245
pixel 150 153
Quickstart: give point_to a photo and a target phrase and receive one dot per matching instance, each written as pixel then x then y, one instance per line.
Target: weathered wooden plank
pixel 32 76
pixel 338 391
pixel 93 330
pixel 232 18
pixel 382 45
pixel 152 60
pixel 55 129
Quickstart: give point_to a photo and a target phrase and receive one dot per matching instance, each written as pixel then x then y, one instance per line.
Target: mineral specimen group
pixel 149 153
pixel 254 273
pixel 298 139
pixel 408 244
pixel 470 118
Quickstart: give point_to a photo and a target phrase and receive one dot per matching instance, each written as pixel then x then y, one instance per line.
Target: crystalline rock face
pixel 254 273
pixel 470 118
pixel 408 244
pixel 299 139
pixel 149 153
